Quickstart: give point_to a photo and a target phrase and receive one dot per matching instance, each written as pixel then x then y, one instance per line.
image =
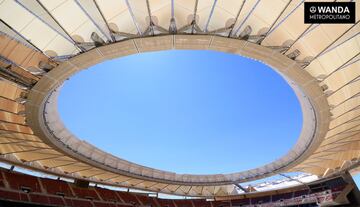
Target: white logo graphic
pixel 312 9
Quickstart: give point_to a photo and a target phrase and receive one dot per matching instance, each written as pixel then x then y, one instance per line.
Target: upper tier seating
pixel 201 203
pixel 57 187
pixel 88 193
pixel 128 197
pixel 19 181
pixel 146 200
pixel 166 203
pixel 183 203
pixel 108 195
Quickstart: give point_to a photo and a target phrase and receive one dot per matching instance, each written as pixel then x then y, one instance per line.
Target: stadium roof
pixel 42 43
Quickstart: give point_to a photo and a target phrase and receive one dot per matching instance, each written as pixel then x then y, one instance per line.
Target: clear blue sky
pixel 184 111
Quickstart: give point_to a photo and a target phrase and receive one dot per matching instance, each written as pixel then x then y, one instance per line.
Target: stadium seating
pixel 183 203
pixel 108 195
pixel 128 198
pixel 86 193
pixel 57 187
pixel 166 203
pixel 240 202
pixel 47 192
pixel 19 181
pixel 146 200
pixel 201 203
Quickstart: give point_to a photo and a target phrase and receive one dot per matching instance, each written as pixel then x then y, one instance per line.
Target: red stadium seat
pixel 9 195
pixel 42 199
pixel 56 200
pixel 81 203
pixel 220 203
pixel 100 204
pixel 201 203
pixel 107 195
pixel 166 203
pixel 17 181
pixel 2 180
pixel 57 187
pixel 128 197
pixel 239 202
pixel 87 193
pixel 100 197
pixel 146 200
pixel 183 203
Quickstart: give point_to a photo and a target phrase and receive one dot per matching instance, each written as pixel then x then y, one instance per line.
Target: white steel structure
pixel 44 42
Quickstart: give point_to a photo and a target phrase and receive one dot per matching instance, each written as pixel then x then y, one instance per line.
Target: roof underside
pixel 36 36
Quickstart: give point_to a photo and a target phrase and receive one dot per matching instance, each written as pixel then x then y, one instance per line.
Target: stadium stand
pixel 27 189
pixel 57 187
pixel 146 200
pixel 166 203
pixel 128 198
pixel 24 182
pixel 108 195
pixel 201 203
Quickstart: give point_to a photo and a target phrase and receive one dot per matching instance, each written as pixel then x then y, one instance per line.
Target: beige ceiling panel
pixel 91 172
pixel 141 14
pixel 287 27
pixel 14 135
pixel 81 25
pixel 10 106
pixel 9 91
pixel 33 156
pixel 10 117
pixel 203 10
pixel 35 30
pixel 74 168
pixel 15 128
pixel 220 19
pixel 116 13
pixel 61 47
pixel 346 128
pixel 338 80
pixel 348 107
pixel 184 10
pixel 161 10
pixel 14 15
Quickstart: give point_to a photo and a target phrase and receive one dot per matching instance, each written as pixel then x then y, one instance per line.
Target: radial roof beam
pixel 241 188
pixel 350 61
pixel 13 77
pixel 354 119
pixel 194 23
pixel 276 20
pixel 12 33
pixel 338 45
pixel 354 80
pixel 40 12
pixel 327 48
pixel 285 18
pixel 172 26
pixel 293 179
pixel 210 15
pixel 150 29
pixel 37 9
pixel 247 16
pixel 105 21
pixel 91 10
pixel 304 33
pixel 236 18
pixel 133 17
